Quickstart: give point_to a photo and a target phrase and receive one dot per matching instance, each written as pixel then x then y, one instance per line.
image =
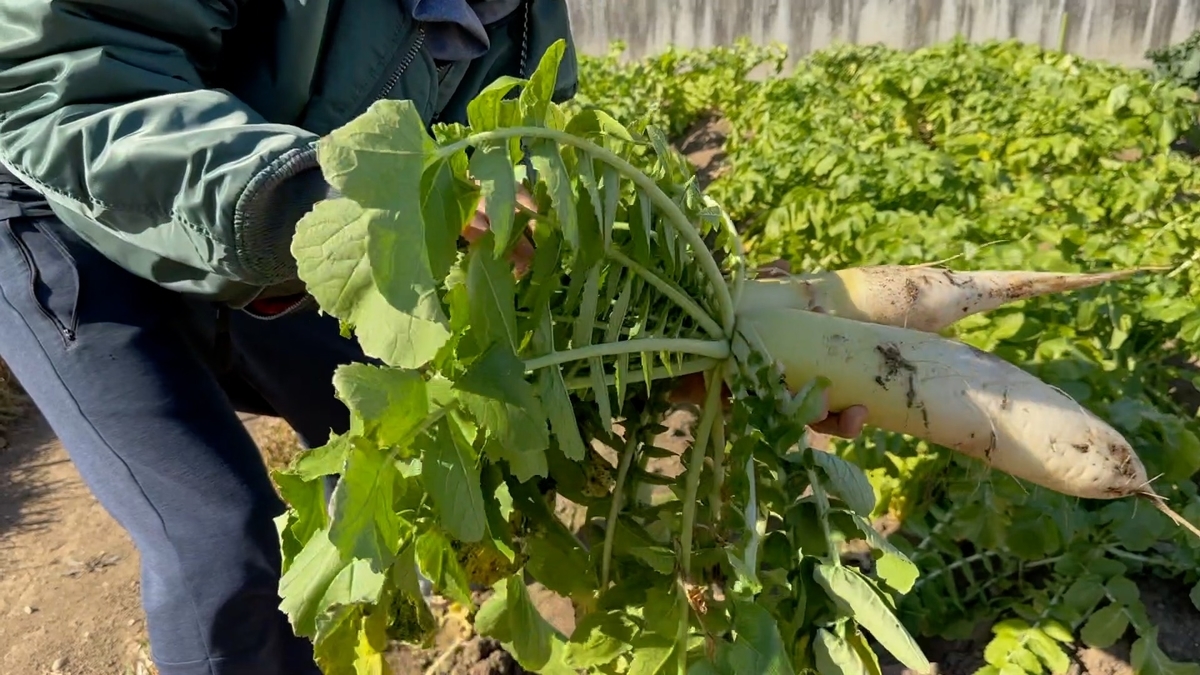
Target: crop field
pixel 740 544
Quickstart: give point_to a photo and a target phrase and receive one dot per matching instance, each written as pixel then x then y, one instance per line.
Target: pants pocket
pixel 53 282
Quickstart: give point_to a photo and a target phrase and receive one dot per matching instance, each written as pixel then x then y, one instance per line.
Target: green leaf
pixel 439 563
pixel 302 588
pixel 307 514
pixel 491 292
pixel 599 638
pixel 855 597
pixel 891 565
pixel 491 167
pixel 558 561
pixel 356 583
pixel 330 247
pixel 448 203
pixel 1183 460
pixel 388 404
pixel 450 473
pixel 510 617
pixel 847 482
pixel 503 403
pixel 758 647
pixel 326 460
pixel 1050 652
pixel 536 97
pixel 1123 590
pixel 364 524
pixel 1148 659
pixel 1195 596
pixel 1105 626
pixel 552 170
pixel 377 158
pixel 400 263
pixel 1084 594
pixel 835 656
pixel 650 654
pixel 553 392
pixel 486 111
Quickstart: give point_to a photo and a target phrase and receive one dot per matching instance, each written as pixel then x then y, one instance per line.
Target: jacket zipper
pixel 411 54
pixel 388 86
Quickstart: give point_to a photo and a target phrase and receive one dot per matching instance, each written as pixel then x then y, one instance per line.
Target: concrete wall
pixel 1116 30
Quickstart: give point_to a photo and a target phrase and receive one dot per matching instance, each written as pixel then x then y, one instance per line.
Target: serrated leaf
pixel 356 583
pixel 387 404
pixel 855 597
pixel 1105 626
pixel 377 158
pixel 364 524
pixel 503 403
pixel 330 247
pixel 598 639
pixel 439 563
pixel 306 516
pixel 325 460
pixel 450 473
pixel 997 652
pixel 302 588
pixel 484 112
pixel 1048 651
pixel 651 653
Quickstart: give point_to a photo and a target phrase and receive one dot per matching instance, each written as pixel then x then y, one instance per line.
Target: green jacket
pixel 177 136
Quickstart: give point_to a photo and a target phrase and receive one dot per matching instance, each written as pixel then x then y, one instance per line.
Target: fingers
pixel 848 423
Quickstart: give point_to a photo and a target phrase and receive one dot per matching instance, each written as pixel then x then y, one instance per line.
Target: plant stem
pixel 718 458
pixel 678 297
pixel 618 496
pixel 674 215
pixel 656 373
pixel 712 409
pixel 712 349
pixel 822 500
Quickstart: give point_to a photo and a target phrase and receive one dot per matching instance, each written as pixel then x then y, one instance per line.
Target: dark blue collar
pixel 454 29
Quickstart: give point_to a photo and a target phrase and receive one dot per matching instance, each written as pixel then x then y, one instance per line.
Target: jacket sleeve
pixel 103 108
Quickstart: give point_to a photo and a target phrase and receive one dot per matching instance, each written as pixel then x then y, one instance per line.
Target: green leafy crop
pixel 996 156
pixel 494 385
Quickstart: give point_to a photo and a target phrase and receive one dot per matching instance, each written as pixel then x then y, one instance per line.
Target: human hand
pixel 846 423
pixel 522 254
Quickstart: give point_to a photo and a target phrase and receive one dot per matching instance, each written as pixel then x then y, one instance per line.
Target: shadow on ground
pixel 24 502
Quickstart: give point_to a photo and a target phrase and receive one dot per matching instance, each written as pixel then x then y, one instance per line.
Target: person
pixel 155 159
